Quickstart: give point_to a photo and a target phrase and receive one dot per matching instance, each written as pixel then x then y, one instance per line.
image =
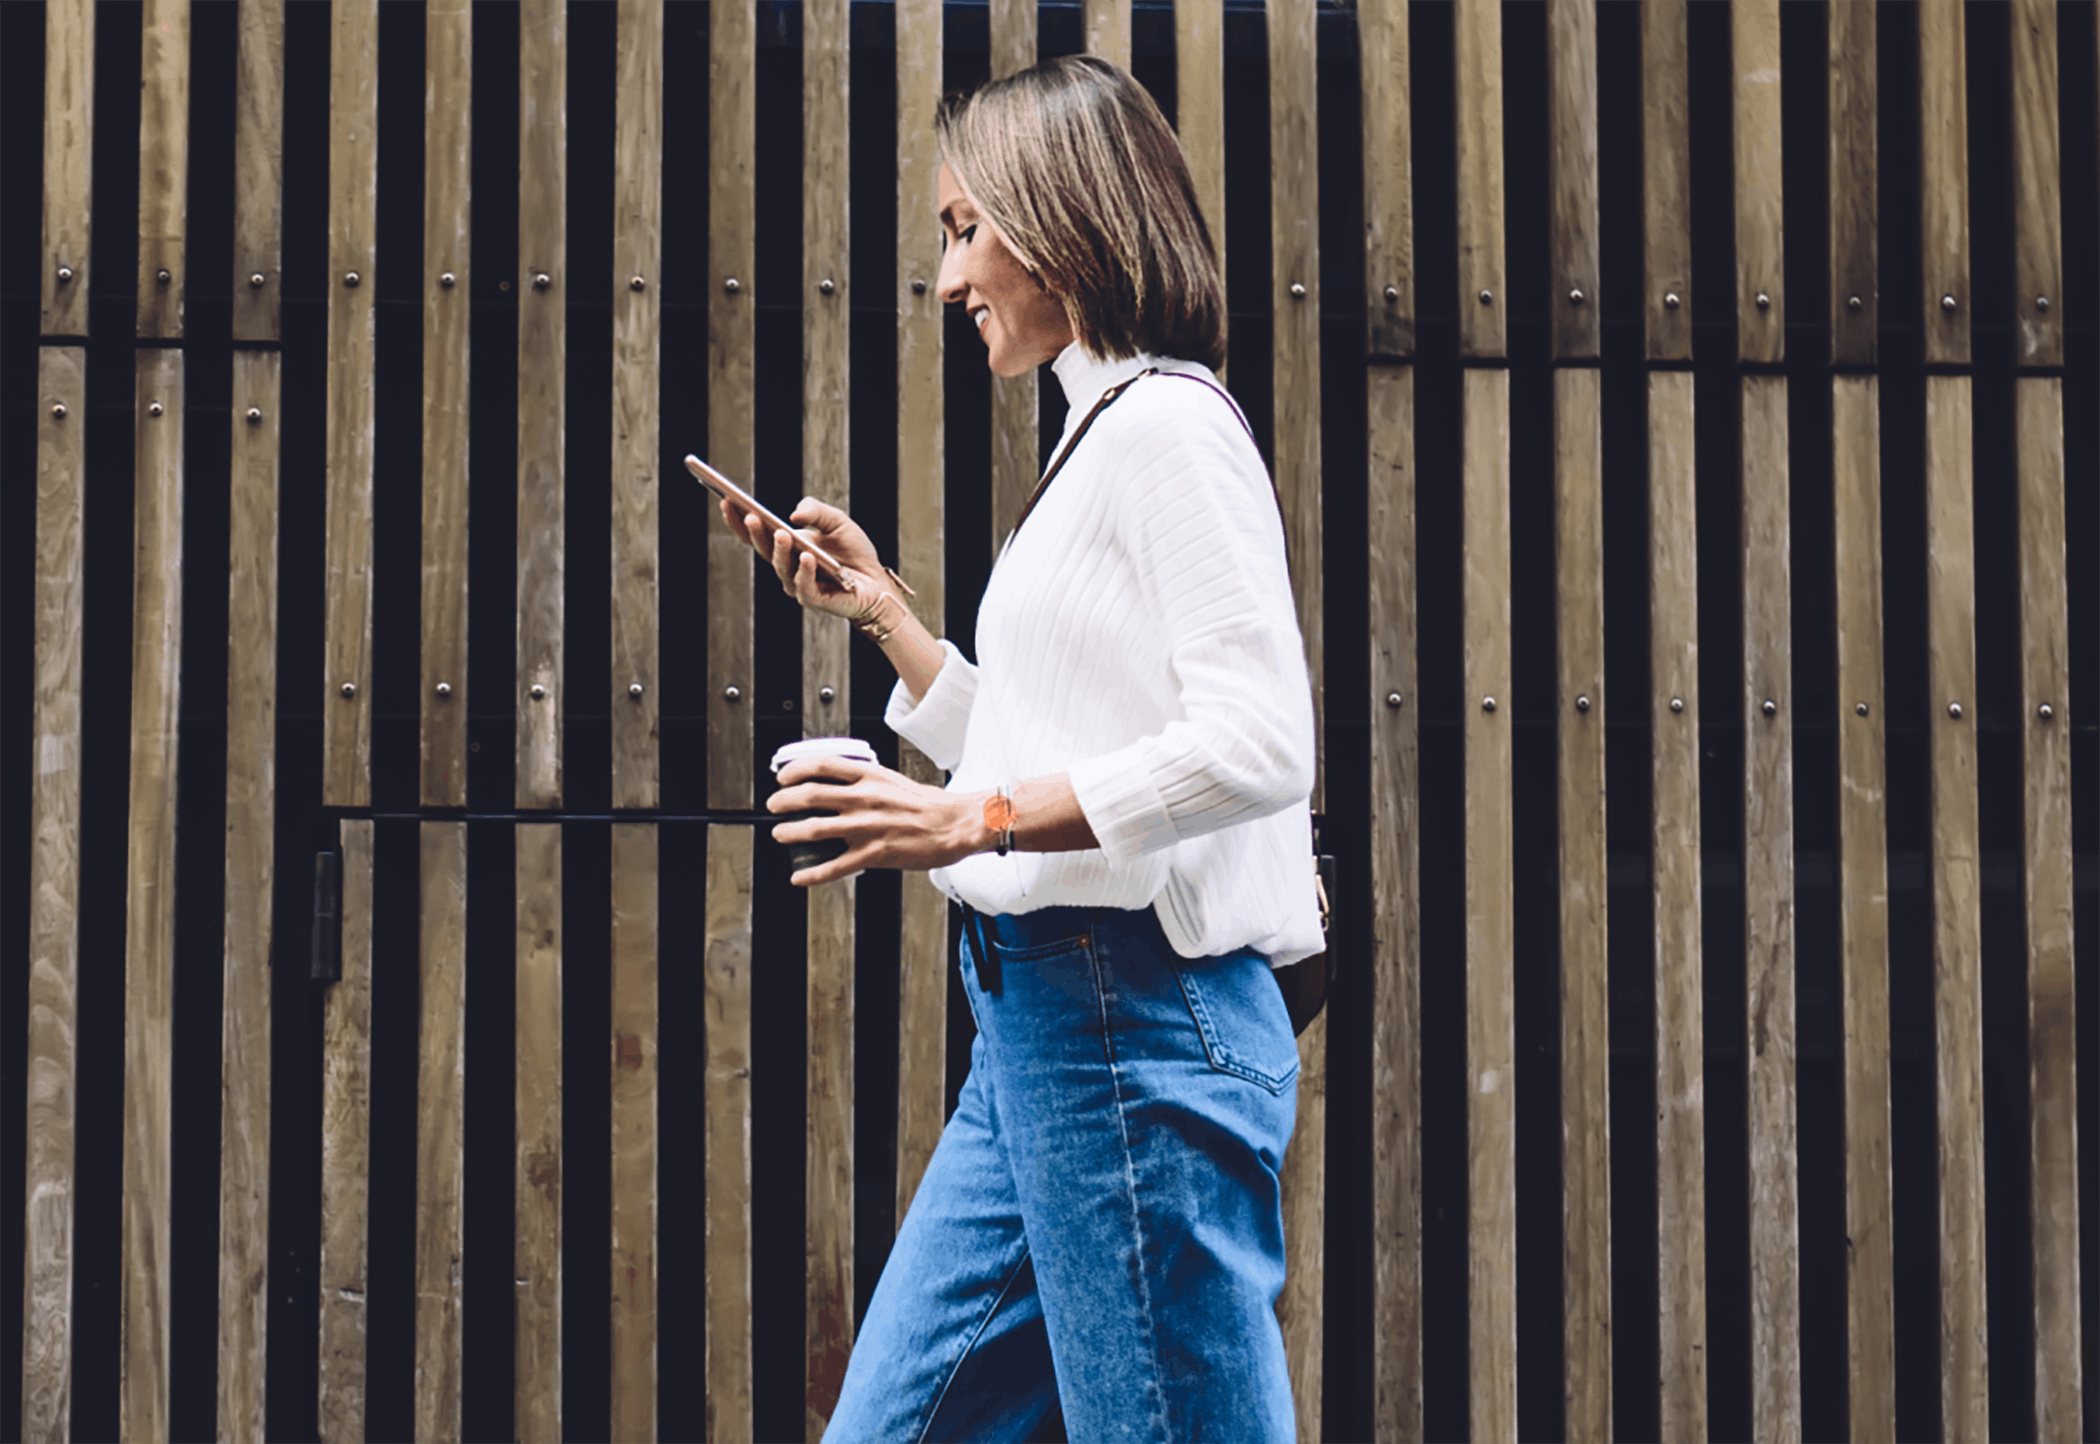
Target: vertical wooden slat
pixel 1957 919
pixel 1571 165
pixel 728 1273
pixel 69 163
pixel 251 808
pixel 1943 183
pixel 536 1181
pixel 1680 1112
pixel 353 183
pixel 638 161
pixel 1108 29
pixel 441 1066
pixel 1389 211
pixel 634 1130
pixel 1491 1115
pixel 732 244
pixel 258 171
pixel 1855 248
pixel 54 897
pixel 543 283
pixel 922 1041
pixel 1774 1304
pixel 164 166
pixel 1016 415
pixel 2052 1015
pixel 1199 105
pixel 447 152
pixel 1483 301
pixel 1862 885
pixel 1760 258
pixel 2037 199
pixel 1666 183
pixel 346 1151
pixel 1585 1024
pixel 149 927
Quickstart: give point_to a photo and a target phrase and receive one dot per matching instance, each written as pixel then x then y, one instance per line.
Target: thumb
pixel 809 509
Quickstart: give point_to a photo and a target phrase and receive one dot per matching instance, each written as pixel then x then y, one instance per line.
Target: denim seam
pixel 982 1324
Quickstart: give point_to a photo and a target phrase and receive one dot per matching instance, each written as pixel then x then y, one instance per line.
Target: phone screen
pixel 722 486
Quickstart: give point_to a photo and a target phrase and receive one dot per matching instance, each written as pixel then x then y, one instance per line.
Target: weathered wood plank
pixel 2037 190
pixel 543 343
pixel 1491 1115
pixel 1013 35
pixel 1396 912
pixel 1666 182
pixel 447 226
pixel 1483 300
pixel 1943 182
pixel 1774 1305
pixel 441 1077
pixel 1199 106
pixel 1760 252
pixel 635 1036
pixel 727 1144
pixel 69 167
pixel 1680 1110
pixel 2052 1017
pixel 1389 209
pixel 1108 29
pixel 1957 917
pixel 638 164
pixel 1016 405
pixel 1585 1022
pixel 258 171
pixel 54 896
pixel 1855 246
pixel 536 1179
pixel 251 811
pixel 346 1152
pixel 828 1150
pixel 1862 887
pixel 732 247
pixel 1571 168
pixel 164 166
pixel 353 183
pixel 149 911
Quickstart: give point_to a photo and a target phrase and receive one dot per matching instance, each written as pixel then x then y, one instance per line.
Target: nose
pixel 949 285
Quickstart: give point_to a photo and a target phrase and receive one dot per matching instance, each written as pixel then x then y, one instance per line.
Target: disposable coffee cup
pixel 805 855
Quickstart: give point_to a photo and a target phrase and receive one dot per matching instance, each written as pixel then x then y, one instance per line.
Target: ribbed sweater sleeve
pixel 937 725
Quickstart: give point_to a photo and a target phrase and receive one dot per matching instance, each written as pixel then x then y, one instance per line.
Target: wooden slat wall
pixel 1199 105
pixel 1108 29
pixel 727 966
pixel 537 1181
pixel 258 172
pixel 164 167
pixel 2037 214
pixel 542 290
pixel 1943 190
pixel 1666 183
pixel 346 1149
pixel 441 1065
pixel 1016 447
pixel 69 163
pixel 634 1131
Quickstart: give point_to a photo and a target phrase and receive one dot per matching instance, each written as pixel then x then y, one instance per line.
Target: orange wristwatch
pixel 999 817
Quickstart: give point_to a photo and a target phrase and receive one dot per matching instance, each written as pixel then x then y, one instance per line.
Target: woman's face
pixel 1022 324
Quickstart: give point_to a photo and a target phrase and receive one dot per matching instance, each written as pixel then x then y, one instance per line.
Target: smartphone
pixel 722 486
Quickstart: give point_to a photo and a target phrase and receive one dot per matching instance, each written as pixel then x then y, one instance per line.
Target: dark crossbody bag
pixel 1304 984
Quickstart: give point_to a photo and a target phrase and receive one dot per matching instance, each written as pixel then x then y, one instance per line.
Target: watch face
pixel 998 812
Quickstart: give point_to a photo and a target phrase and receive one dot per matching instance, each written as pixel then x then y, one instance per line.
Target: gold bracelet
pixel 873 629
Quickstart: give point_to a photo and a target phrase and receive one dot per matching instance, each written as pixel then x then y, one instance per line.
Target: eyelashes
pixel 962 237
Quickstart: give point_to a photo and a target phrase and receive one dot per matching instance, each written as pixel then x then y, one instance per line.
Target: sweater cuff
pixel 937 725
pixel 1125 810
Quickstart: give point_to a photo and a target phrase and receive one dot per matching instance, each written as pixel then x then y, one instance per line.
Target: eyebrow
pixel 948 211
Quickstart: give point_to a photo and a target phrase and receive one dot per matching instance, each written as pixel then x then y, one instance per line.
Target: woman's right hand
pixel 834 531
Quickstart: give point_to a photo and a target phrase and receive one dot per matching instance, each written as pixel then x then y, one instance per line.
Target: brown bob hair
pixel 1072 163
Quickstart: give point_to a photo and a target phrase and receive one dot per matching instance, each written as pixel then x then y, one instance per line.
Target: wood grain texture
pixel 543 343
pixel 346 1152
pixel 164 166
pixel 447 232
pixel 635 1046
pixel 1862 888
pixel 1396 912
pixel 536 1178
pixel 2052 1016
pixel 251 823
pixel 149 907
pixel 2037 188
pixel 1680 1082
pixel 1013 35
pixel 1571 170
pixel 1666 182
pixel 1957 917
pixel 922 1033
pixel 258 171
pixel 1855 246
pixel 1017 458
pixel 1773 1203
pixel 727 1133
pixel 1477 79
pixel 1389 202
pixel 1491 1138
pixel 732 247
pixel 1760 251
pixel 54 897
pixel 1199 107
pixel 1108 29
pixel 828 1154
pixel 69 166
pixel 441 1076
pixel 1943 182
pixel 638 149
pixel 1585 1021
pixel 353 183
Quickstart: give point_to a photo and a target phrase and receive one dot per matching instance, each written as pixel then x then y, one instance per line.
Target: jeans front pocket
pixel 1241 1014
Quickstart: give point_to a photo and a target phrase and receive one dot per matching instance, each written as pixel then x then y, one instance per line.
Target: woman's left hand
pixel 885 818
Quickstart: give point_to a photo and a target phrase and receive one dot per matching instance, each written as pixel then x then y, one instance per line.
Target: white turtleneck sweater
pixel 1139 633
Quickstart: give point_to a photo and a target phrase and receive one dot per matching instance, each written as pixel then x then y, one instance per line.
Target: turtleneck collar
pixel 1084 376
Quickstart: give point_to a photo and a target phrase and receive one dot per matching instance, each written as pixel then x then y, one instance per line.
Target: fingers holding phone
pixel 800 575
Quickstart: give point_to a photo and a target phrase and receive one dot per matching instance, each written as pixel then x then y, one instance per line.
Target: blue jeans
pixel 1101 1223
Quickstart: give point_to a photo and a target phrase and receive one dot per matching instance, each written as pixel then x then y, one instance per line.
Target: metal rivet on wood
pixel 1487 704
pixel 542 281
pixel 1946 303
pixel 2045 711
pixel 1392 294
pixel 1670 300
pixel 1582 704
pixel 1677 704
pixel 825 694
pixel 349 690
pixel 1954 710
pixel 58 412
pixel 1771 708
pixel 1861 709
pixel 254 415
pixel 444 689
pixel 1392 699
pixel 918 288
pixel 1298 290
pixel 1487 298
pixel 634 690
pixel 1853 303
pixel 2041 303
pixel 448 280
pixel 351 278
pixel 636 283
pixel 538 692
pixel 732 286
pixel 155 409
pixel 827 285
pixel 163 275
pixel 65 274
pixel 1575 297
pixel 256 278
pixel 1764 302
pixel 731 694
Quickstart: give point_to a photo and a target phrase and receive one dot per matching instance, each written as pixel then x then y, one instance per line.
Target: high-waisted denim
pixel 1101 1223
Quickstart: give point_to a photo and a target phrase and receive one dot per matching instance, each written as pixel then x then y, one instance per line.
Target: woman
pixel 1125 826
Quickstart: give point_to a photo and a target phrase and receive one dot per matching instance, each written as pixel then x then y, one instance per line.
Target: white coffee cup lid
pixel 848 747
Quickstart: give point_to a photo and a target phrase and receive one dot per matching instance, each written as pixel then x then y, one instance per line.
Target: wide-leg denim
pixel 1101 1223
